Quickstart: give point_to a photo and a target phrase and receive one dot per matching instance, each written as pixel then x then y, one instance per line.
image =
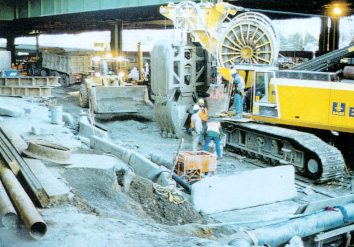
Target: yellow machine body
pixel 201 20
pixel 319 104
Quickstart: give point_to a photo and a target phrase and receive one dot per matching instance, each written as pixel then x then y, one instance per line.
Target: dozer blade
pixel 119 99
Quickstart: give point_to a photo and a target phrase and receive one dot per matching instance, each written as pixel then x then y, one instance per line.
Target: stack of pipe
pixel 16 197
pixel 281 233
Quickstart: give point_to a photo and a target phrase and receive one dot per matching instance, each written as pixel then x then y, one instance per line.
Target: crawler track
pixel 311 157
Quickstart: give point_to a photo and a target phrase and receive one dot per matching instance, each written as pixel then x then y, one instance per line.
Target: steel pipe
pixel 278 234
pixel 181 182
pixel 25 207
pixel 162 162
pixel 9 218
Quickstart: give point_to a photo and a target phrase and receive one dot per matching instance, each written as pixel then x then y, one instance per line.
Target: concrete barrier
pixel 87 130
pixel 68 120
pixel 140 164
pixel 245 189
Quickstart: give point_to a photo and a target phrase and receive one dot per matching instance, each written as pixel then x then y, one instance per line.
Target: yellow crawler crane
pixel 180 72
pixel 246 38
pixel 281 101
pixel 303 103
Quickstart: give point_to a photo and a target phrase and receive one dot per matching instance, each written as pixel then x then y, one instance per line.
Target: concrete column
pixel 11 47
pixel 323 42
pixel 329 36
pixel 37 45
pixel 333 42
pixel 116 38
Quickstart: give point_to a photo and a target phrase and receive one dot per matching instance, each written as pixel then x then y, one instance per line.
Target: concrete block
pixel 12 111
pixel 87 130
pixel 109 147
pixel 144 167
pixel 56 190
pixel 96 161
pixel 245 189
pixel 68 120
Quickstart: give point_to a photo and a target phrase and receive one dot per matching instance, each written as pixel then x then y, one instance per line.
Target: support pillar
pixel 334 34
pixel 11 47
pixel 37 45
pixel 329 36
pixel 116 39
pixel 323 42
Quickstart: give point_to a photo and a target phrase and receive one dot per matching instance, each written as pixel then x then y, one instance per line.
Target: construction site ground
pixel 101 212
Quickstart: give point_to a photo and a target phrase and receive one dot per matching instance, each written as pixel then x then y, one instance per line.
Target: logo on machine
pixel 351 112
pixel 338 109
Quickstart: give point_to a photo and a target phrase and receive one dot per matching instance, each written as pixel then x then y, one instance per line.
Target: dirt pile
pixel 106 193
pixel 96 191
pixel 159 207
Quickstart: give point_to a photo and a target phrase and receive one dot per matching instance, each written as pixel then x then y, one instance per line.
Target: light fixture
pixel 337 9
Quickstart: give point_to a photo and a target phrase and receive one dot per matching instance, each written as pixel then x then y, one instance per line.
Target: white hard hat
pixel 201 101
pixel 233 71
pixel 196 107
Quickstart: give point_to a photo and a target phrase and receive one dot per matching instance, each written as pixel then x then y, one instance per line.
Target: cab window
pixel 262 86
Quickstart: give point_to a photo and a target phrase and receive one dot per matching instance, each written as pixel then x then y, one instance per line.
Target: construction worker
pixel 203 112
pixel 196 126
pixel 247 100
pixel 238 94
pixel 213 132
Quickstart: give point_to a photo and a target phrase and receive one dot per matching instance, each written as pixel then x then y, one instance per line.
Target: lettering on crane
pixel 338 109
pixel 351 112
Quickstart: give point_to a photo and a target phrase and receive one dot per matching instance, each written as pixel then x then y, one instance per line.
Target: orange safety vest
pixel 204 114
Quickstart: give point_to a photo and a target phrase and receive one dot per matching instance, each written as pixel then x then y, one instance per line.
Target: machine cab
pixel 261 91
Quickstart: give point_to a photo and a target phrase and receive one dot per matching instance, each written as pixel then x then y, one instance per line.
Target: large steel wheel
pixel 187 16
pixel 249 39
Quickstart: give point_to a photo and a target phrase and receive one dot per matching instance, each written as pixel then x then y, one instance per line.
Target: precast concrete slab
pixel 96 161
pixel 11 111
pixel 245 189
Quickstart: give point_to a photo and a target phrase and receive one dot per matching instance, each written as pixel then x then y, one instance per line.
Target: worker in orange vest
pixel 203 113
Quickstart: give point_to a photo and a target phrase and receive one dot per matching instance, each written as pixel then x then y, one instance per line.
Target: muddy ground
pixel 100 210
pixel 104 210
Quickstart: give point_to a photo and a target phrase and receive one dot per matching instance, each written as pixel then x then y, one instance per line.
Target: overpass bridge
pixel 33 17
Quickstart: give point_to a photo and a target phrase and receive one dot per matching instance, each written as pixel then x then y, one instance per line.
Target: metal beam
pixel 39 8
pixel 7 10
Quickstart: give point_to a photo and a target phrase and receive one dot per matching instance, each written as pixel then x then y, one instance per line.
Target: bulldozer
pixel 108 94
pixel 296 117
